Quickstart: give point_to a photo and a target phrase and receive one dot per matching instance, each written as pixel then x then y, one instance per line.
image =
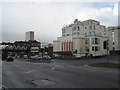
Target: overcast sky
pixel 47 18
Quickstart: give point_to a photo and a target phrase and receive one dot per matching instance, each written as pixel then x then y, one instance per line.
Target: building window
pixel 104 33
pixel 113 34
pixel 90 27
pixel 78 28
pixel 85 27
pixel 78 33
pixel 113 43
pixel 63 31
pixel 86 41
pixel 105 45
pixel 92 48
pixel 67 34
pixel 94 27
pixel 74 33
pixel 74 28
pixel 90 22
pixel 96 48
pixel 90 33
pixel 104 30
pixel 113 48
pixel 92 40
pixel 96 40
pixel 86 49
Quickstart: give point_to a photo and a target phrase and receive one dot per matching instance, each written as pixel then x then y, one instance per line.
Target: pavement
pixel 85 61
pixel 58 74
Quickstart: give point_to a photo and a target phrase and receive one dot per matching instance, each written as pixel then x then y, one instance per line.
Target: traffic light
pixel 75 51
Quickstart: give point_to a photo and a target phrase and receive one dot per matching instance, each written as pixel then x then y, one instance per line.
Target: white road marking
pixel 3 87
pixel 53 68
pixel 30 71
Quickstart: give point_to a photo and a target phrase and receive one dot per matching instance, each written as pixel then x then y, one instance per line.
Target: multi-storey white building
pixel 87 38
pixel 30 35
pixel 114 43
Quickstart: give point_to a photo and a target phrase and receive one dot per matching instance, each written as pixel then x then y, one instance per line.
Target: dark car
pixel 9 59
pixel 4 56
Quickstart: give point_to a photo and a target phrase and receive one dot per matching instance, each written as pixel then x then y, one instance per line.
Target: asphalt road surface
pixel 24 74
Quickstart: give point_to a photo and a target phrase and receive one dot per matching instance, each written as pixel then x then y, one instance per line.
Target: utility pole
pixel 107 43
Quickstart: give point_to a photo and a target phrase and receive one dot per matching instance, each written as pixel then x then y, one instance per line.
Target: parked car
pixel 40 57
pixel 17 56
pixel 47 57
pixel 34 57
pixel 25 56
pixel 9 58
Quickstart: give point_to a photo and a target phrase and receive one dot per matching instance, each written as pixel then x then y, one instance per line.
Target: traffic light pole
pixel 107 51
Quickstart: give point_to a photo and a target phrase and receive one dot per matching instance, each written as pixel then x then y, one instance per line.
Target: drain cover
pixel 43 82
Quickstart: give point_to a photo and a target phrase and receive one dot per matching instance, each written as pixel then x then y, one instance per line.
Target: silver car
pixel 47 57
pixel 40 57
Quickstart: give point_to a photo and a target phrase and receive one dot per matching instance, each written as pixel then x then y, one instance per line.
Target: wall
pixel 56 46
pixel 79 45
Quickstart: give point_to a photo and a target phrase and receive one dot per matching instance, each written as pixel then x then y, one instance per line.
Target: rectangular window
pixel 78 28
pixel 94 27
pixel 92 48
pixel 90 33
pixel 90 22
pixel 85 27
pixel 74 33
pixel 96 40
pixel 96 48
pixel 92 40
pixel 86 41
pixel 104 30
pixel 86 49
pixel 113 43
pixel 67 34
pixel 63 31
pixel 90 27
pixel 74 28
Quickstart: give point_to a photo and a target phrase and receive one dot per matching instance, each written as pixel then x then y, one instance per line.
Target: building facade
pixel 86 38
pixel 29 35
pixel 114 33
pixel 47 49
pixel 21 48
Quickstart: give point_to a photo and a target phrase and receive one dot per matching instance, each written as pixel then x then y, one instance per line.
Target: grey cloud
pixel 46 19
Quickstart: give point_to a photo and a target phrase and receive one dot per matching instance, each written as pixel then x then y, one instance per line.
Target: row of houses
pixel 29 48
pixel 86 38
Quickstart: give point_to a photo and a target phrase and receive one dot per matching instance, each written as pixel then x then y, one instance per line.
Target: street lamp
pixel 107 43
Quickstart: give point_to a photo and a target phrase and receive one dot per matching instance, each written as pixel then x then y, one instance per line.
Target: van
pixel 25 56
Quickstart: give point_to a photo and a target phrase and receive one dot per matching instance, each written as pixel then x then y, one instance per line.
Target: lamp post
pixel 107 43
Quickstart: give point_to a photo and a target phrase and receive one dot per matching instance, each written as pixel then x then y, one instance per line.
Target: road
pixel 24 74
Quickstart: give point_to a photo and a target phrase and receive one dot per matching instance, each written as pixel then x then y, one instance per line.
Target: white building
pixel 87 38
pixel 114 43
pixel 29 35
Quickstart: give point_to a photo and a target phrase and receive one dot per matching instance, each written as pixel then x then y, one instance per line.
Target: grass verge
pixel 107 65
